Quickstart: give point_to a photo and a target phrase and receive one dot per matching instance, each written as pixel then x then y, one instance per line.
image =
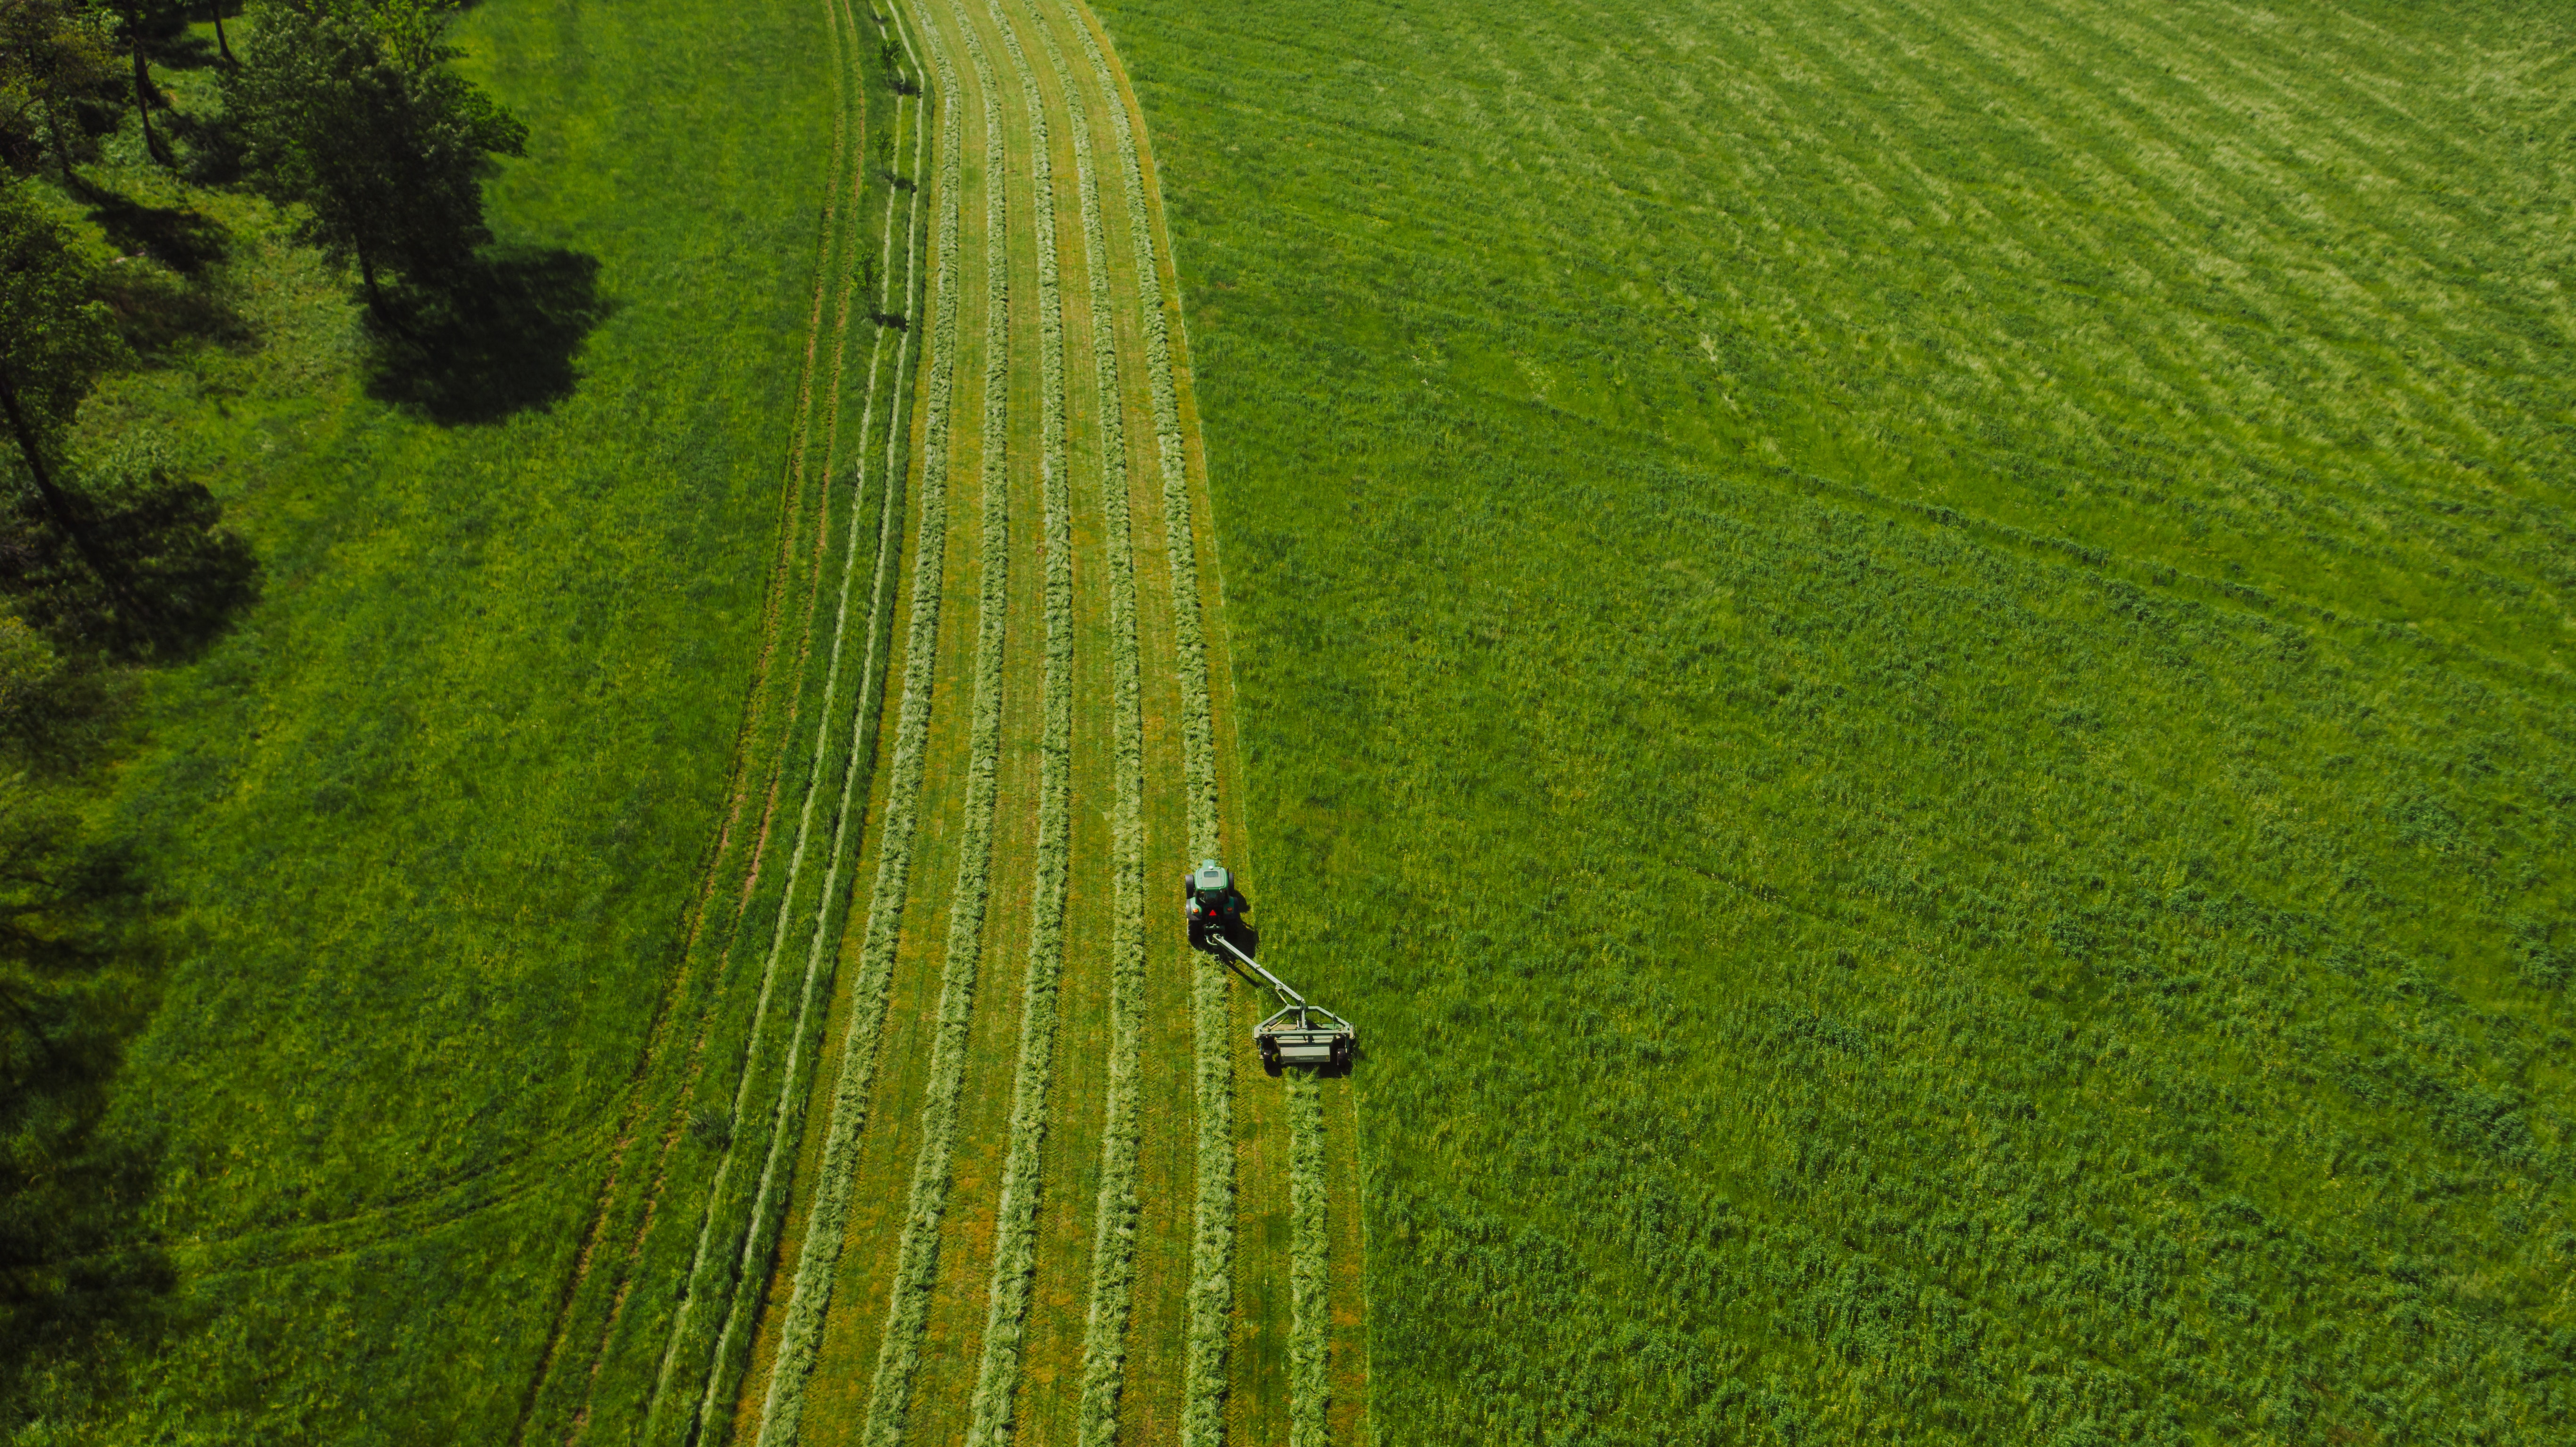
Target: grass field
pixel 424 831
pixel 1910 663
pixel 696 772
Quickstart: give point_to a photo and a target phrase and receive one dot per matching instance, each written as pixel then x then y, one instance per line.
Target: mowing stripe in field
pixel 917 1258
pixel 1212 1230
pixel 1310 1386
pixel 810 1296
pixel 1113 1252
pixel 978 1177
pixel 1014 1259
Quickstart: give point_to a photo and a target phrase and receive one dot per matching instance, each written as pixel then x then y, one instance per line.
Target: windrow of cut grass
pixel 1212 1230
pixel 818 1255
pixel 917 1263
pixel 1113 1249
pixel 1014 1267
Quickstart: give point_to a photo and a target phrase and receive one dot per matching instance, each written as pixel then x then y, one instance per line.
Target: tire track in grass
pixel 810 1296
pixel 990 1410
pixel 769 1201
pixel 709 1258
pixel 1211 1297
pixel 1113 1252
pixel 917 1255
pixel 445 1199
pixel 836 236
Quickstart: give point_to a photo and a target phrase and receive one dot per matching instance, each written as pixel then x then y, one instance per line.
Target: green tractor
pixel 1300 1033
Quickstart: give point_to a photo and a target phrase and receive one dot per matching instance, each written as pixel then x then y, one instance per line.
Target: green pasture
pixel 1909 663
pixel 420 832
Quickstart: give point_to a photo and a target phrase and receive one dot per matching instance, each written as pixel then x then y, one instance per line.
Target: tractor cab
pixel 1212 902
pixel 1212 884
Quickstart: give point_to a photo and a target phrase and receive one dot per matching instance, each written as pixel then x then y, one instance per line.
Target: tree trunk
pixel 59 506
pixel 221 43
pixel 62 151
pixel 375 295
pixel 143 101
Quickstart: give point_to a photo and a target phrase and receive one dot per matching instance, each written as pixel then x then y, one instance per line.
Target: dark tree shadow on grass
pixel 74 1265
pixel 496 338
pixel 180 239
pixel 171 299
pixel 185 575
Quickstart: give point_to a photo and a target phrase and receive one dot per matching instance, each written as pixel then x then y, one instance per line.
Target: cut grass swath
pixel 1212 1228
pixel 1113 1250
pixel 810 1296
pixel 1310 1387
pixel 997 1375
pixel 917 1254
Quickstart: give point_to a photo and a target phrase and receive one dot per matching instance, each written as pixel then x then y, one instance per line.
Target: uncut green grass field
pixel 1910 664
pixel 427 823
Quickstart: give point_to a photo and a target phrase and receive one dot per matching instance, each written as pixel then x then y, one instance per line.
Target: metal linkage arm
pixel 1289 995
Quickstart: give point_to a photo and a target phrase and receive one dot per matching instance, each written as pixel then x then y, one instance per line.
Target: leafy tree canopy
pixel 54 54
pixel 351 111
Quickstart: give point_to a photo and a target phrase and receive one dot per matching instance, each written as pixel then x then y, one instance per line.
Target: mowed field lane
pixel 1035 1203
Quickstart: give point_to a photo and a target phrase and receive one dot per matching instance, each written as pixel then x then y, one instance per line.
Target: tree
pixel 353 112
pixel 56 339
pixel 143 22
pixel 53 53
